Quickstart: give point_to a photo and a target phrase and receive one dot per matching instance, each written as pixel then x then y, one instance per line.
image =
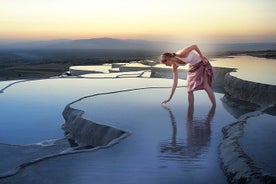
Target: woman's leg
pixel 191 98
pixel 209 91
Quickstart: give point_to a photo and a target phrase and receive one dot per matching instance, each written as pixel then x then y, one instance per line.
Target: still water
pixel 250 68
pixel 166 144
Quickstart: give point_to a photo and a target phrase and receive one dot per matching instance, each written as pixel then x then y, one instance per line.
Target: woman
pixel 199 74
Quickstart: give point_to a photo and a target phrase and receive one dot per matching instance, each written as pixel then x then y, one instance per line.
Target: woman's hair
pixel 165 56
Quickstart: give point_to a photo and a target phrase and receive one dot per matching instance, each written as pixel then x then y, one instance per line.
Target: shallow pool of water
pixel 259 142
pixel 250 68
pixel 166 143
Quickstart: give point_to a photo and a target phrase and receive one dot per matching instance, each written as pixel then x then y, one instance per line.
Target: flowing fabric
pixel 197 74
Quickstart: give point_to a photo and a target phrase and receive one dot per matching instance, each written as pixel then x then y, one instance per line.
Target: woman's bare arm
pixel 184 52
pixel 175 81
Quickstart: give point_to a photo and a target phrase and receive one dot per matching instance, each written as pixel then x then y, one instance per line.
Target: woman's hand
pixel 166 101
pixel 205 60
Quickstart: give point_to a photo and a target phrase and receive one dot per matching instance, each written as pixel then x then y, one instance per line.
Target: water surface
pixel 166 143
pixel 261 70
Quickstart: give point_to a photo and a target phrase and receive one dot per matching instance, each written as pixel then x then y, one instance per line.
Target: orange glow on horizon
pixel 176 20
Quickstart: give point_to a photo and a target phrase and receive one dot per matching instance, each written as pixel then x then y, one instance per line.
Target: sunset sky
pixel 163 20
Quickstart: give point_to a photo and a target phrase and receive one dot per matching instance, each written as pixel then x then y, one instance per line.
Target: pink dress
pixel 197 72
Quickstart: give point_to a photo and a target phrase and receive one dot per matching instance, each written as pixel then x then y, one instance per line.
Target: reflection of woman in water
pixel 173 145
pixel 199 74
pixel 198 130
pixel 198 136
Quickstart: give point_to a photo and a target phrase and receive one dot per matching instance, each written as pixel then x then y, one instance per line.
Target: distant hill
pixel 95 43
pixel 129 44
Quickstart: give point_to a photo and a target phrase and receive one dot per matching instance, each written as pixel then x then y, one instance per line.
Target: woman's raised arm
pixel 184 52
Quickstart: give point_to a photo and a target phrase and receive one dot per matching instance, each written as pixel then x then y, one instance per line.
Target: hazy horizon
pixel 10 41
pixel 133 44
pixel 174 21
